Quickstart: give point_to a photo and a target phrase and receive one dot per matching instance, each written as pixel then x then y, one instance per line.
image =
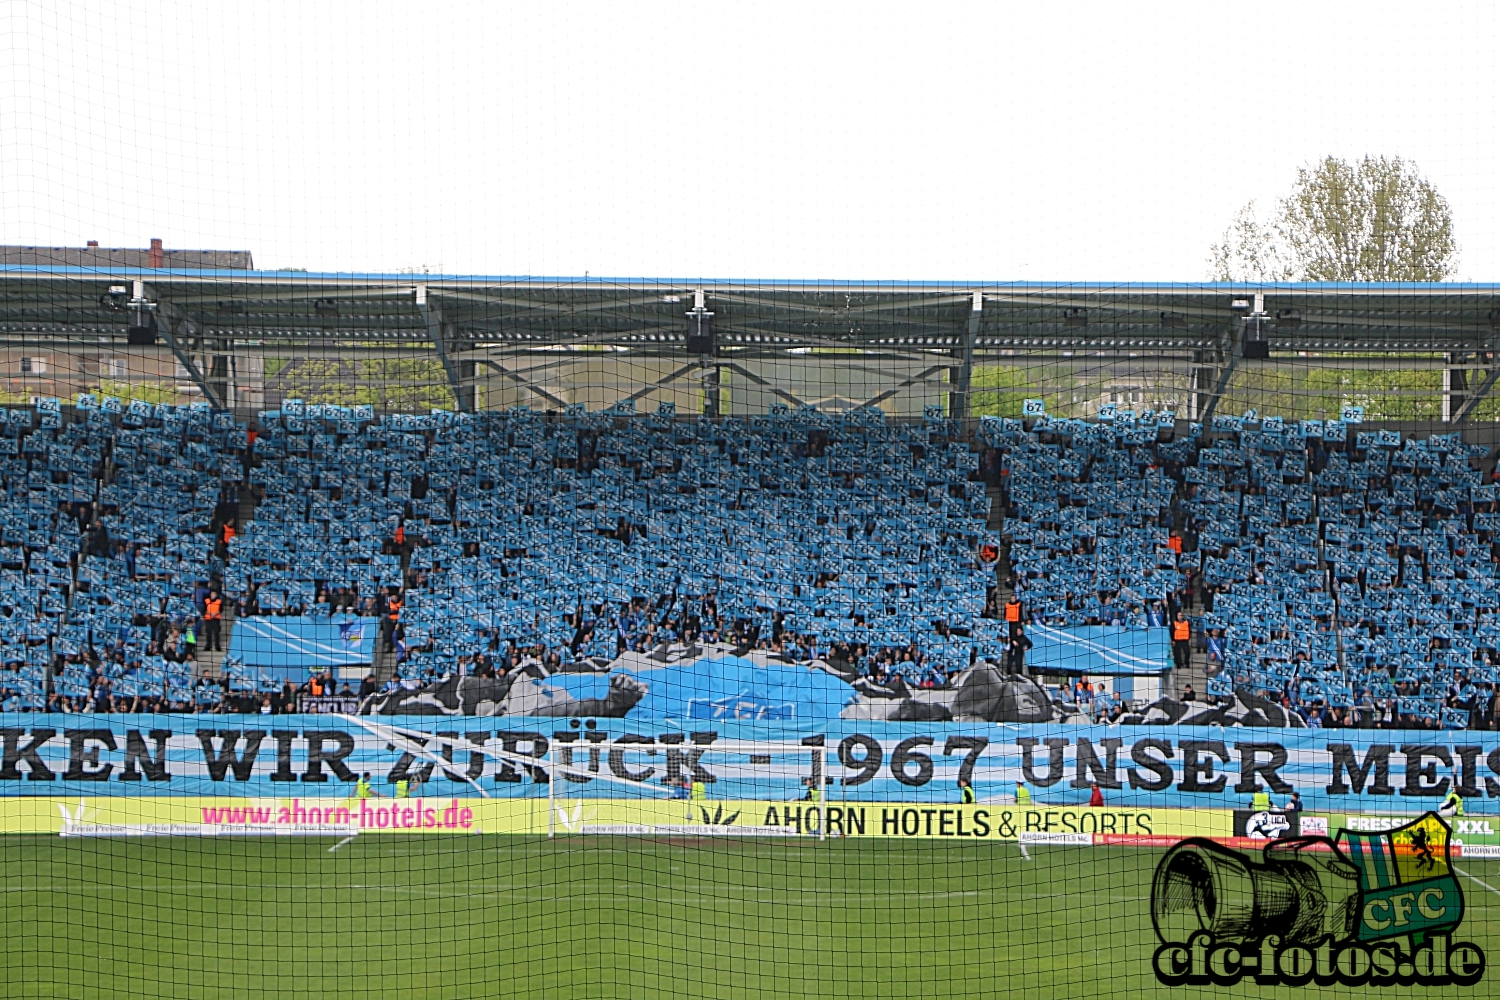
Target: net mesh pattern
pixel 390 629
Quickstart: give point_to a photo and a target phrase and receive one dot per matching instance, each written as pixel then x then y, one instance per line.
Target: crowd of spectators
pixel 1347 575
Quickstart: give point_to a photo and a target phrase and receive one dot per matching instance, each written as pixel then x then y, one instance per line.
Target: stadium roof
pixel 233 306
pixel 469 320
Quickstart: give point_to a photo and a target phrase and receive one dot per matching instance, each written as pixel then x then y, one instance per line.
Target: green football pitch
pixel 598 917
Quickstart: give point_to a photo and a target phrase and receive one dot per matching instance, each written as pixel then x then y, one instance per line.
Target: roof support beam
pixel 712 380
pixel 836 329
pixel 665 380
pixel 523 382
pixel 485 330
pixel 1476 396
pixel 220 375
pixel 173 322
pixel 961 376
pixel 1206 412
pixel 529 371
pixel 906 383
pixel 1230 352
pixel 1455 387
pixel 557 308
pixel 834 313
pixel 764 383
pixel 244 299
pixel 439 331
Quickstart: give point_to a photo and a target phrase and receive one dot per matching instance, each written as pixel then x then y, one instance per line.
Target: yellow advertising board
pixel 142 815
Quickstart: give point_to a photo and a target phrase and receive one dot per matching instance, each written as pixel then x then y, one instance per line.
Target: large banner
pixel 1132 767
pixel 717 683
pixel 294 647
pixel 1099 649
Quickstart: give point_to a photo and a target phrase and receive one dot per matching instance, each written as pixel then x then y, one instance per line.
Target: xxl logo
pixel 1370 908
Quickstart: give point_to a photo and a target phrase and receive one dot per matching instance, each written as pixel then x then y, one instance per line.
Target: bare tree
pixel 1377 220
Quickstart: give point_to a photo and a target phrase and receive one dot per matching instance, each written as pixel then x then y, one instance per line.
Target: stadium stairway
pixel 248 503
pixel 384 665
pixel 385 662
pixel 1197 672
pixel 1196 675
pixel 996 520
pixel 211 663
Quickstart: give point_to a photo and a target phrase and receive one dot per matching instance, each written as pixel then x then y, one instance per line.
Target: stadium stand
pixel 507 537
pixel 1347 575
pixel 1344 575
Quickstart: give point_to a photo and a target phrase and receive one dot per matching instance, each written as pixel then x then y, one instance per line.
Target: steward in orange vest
pixel 1182 631
pixel 392 617
pixel 213 620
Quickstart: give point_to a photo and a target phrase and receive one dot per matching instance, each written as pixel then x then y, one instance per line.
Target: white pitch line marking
pixel 1480 881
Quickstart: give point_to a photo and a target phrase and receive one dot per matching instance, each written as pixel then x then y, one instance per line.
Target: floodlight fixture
pixel 140 329
pixel 115 297
pixel 700 331
pixel 1253 343
pixel 700 325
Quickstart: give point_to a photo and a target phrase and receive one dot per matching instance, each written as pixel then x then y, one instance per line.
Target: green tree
pixel 150 392
pixel 1375 220
pixel 1251 250
pixel 397 384
pixel 998 391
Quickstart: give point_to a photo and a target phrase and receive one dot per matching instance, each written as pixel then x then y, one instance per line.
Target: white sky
pixel 1100 142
